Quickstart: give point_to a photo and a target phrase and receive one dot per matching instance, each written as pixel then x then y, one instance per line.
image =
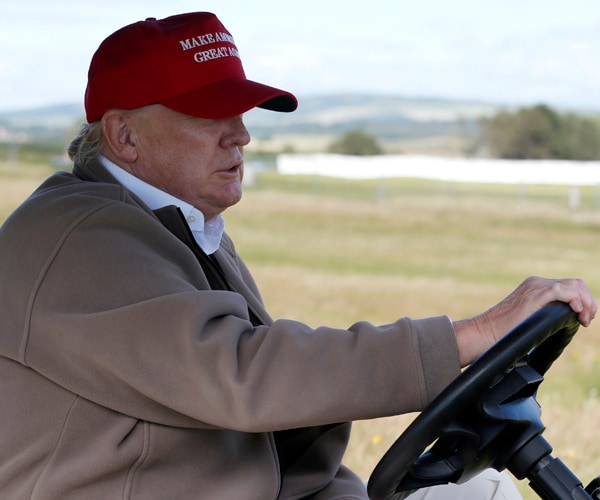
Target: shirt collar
pixel 207 234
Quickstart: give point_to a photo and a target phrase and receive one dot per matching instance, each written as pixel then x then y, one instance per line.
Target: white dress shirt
pixel 207 234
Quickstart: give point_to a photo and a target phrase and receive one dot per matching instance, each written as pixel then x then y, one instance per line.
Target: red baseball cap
pixel 188 62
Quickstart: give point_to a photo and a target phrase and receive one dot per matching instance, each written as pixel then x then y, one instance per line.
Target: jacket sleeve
pixel 120 313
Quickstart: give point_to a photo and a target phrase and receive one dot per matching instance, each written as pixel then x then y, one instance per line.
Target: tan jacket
pixel 124 376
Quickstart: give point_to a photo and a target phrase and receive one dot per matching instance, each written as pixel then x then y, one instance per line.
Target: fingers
pixel 571 291
pixel 576 293
pixel 476 334
pixel 584 303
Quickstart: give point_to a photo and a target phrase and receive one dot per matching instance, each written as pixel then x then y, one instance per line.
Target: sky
pixel 515 52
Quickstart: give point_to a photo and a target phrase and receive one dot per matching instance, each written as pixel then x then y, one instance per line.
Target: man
pixel 136 357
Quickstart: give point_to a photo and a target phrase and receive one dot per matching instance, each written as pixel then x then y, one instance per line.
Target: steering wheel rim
pixel 534 344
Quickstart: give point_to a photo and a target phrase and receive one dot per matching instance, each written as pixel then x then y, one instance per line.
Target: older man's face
pixel 197 160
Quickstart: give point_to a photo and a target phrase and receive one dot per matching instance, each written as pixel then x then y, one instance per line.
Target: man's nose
pixel 237 133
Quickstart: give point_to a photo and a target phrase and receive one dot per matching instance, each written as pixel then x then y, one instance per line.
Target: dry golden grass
pixel 334 257
pixel 13 191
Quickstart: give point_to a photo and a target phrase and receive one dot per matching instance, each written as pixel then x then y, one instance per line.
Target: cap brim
pixel 229 98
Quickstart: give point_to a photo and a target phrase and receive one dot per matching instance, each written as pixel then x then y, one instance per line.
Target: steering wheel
pixel 485 418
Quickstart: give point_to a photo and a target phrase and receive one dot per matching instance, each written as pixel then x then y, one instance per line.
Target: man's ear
pixel 119 136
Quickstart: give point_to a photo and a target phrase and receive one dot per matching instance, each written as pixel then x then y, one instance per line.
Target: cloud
pixel 498 50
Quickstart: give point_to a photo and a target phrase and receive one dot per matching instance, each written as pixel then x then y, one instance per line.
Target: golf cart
pixel 489 417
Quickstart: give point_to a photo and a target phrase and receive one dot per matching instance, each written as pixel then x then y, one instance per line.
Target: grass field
pixel 332 252
pixel 345 252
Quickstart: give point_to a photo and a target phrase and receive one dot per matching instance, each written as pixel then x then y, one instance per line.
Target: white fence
pixel 567 173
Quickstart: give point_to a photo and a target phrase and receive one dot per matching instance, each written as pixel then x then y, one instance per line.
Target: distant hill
pixel 385 116
pixel 62 116
pixel 329 110
pixel 49 124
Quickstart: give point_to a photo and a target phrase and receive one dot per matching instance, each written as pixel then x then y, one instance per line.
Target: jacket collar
pixel 93 171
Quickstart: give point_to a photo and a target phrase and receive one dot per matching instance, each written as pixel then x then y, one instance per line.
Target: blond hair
pixel 87 144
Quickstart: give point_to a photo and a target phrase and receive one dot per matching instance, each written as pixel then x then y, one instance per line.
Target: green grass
pixel 385 189
pixel 474 234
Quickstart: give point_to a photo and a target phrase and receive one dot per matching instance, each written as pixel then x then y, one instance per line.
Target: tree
pixel 539 132
pixel 584 141
pixel 356 142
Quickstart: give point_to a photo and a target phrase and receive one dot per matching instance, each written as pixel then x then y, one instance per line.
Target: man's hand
pixel 475 335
